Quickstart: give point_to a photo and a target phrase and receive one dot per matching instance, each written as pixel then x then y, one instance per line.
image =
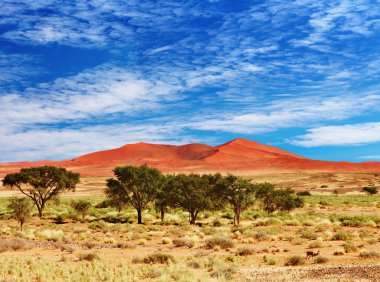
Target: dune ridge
pixel 239 156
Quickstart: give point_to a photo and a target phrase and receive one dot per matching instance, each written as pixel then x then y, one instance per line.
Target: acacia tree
pixel 237 192
pixel 277 199
pixel 135 185
pixel 42 184
pixel 21 209
pixel 165 197
pixel 193 193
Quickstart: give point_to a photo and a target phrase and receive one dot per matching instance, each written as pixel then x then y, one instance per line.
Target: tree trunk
pixel 139 217
pixel 236 216
pixel 40 211
pixel 40 208
pixel 193 217
pixel 162 215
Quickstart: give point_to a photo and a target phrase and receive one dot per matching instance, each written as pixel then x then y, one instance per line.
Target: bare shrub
pixel 125 245
pixel 349 247
pixel 155 258
pixel 182 242
pixel 270 260
pixel 321 259
pixel 369 254
pixel 222 242
pixel 224 273
pixel 295 260
pixel 339 252
pixel 245 251
pixel 88 257
pixel 14 244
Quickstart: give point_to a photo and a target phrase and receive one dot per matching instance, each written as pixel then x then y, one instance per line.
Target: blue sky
pixel 82 76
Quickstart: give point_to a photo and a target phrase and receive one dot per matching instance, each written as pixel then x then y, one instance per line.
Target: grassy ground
pixel 338 221
pixel 109 246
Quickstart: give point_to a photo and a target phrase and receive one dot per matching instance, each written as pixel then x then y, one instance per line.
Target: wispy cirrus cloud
pixel 97 92
pixel 183 66
pixel 292 112
pixel 16 68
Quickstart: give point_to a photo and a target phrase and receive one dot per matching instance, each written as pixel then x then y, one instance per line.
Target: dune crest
pixel 239 156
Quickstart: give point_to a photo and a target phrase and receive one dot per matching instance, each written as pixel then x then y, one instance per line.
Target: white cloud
pixel 351 134
pixel 373 157
pixel 292 112
pixel 252 68
pixel 99 92
pixel 239 62
pixel 17 68
pixel 52 143
pixel 354 17
pixel 160 49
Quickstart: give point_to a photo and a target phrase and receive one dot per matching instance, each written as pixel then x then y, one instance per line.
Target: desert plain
pixel 338 219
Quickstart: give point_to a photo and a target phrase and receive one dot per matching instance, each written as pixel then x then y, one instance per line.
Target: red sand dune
pixel 238 156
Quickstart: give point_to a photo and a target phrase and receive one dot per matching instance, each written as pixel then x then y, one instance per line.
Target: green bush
pixel 21 209
pixel 370 190
pixel 342 236
pixel 309 234
pixel 98 225
pixel 282 200
pixel 303 193
pixel 81 207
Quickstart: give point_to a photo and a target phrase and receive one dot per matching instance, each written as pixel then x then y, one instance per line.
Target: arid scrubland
pixel 107 245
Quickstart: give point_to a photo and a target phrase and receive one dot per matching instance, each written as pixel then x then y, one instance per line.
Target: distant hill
pixel 239 156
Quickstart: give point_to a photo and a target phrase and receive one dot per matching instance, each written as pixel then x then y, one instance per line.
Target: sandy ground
pixel 315 182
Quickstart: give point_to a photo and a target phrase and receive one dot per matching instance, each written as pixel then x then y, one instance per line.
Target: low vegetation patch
pixel 14 244
pixel 321 259
pixel 183 242
pixel 245 251
pixel 339 252
pixel 349 247
pixel 295 260
pixel 156 258
pixel 369 254
pixel 88 257
pixel 222 242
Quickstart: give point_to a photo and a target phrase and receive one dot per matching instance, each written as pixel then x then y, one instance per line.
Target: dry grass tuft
pixel 222 242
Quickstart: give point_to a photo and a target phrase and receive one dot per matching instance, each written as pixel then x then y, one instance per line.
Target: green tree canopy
pixel 239 193
pixel 136 185
pixel 165 197
pixel 82 207
pixel 21 209
pixel 277 199
pixel 192 192
pixel 42 184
